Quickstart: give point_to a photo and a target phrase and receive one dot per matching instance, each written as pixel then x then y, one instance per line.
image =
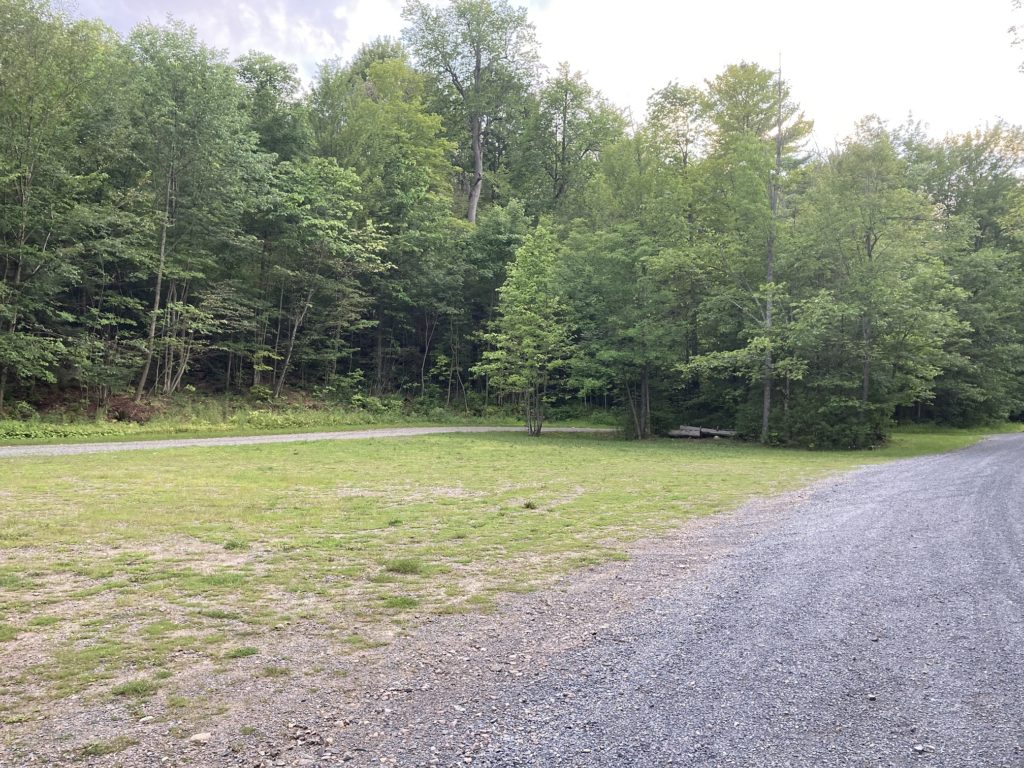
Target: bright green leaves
pixel 531 338
pixel 871 306
pixel 321 254
pixel 482 56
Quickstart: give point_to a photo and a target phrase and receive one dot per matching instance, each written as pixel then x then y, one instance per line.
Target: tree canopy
pixel 441 221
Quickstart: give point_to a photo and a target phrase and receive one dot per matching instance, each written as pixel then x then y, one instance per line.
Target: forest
pixel 441 220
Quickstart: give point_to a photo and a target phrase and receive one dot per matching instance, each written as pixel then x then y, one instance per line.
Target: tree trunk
pixel 631 399
pixel 865 385
pixel 773 201
pixel 378 359
pixel 639 400
pixel 535 410
pixel 170 334
pixel 277 335
pixel 477 185
pixel 183 363
pixel 645 405
pixel 5 372
pixel 151 337
pixel 766 393
pixel 279 386
pixel 476 129
pixel 261 319
pixel 336 346
pixel 428 337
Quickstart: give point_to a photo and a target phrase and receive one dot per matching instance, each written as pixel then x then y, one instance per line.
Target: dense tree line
pixel 439 219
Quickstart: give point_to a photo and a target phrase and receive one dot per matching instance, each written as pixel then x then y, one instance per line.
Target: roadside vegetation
pixel 197 415
pixel 210 416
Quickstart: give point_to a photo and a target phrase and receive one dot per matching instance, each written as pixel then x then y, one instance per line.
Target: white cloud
pixel 950 64
pixel 366 20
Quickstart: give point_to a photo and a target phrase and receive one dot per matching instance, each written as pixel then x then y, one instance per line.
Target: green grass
pixel 360 643
pixel 915 440
pixel 400 602
pixel 241 653
pixel 274 671
pixel 407 566
pixel 102 748
pixel 135 688
pixel 127 563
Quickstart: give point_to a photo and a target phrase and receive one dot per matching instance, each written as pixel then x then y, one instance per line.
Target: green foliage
pixel 482 56
pixel 49 431
pixel 275 110
pixel 531 338
pixel 171 221
pixel 877 336
pixel 569 126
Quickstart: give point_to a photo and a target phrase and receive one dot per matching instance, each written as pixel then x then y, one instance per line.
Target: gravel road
pixel 67 449
pixel 879 621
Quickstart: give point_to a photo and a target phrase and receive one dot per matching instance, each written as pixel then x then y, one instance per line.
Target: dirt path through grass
pixel 67 449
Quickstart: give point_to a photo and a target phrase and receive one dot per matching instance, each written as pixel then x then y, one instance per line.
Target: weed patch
pixel 101 748
pixel 135 689
pixel 406 566
pixel 274 671
pixel 241 653
pixel 401 602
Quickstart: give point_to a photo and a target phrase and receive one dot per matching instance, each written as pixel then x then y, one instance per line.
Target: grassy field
pixel 117 569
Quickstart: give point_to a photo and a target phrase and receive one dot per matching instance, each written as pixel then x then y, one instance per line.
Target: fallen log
pixel 685 432
pixel 699 432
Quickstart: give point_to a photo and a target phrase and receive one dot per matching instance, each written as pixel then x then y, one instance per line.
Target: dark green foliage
pixel 438 228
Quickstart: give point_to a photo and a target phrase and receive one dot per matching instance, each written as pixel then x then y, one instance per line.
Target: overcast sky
pixel 948 62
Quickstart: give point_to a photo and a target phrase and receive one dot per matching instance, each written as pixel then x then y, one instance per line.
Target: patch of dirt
pixel 123 408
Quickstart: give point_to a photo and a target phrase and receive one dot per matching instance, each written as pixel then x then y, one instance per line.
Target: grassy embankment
pixel 113 568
